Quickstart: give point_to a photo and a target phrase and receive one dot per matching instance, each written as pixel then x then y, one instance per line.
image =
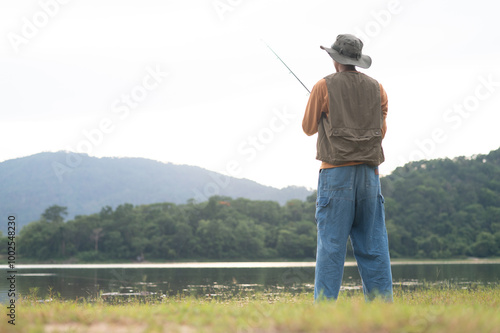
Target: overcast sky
pixel 191 82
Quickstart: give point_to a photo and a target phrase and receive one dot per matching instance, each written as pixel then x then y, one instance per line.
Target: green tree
pixel 3 241
pixel 55 214
pixel 36 240
pixel 485 245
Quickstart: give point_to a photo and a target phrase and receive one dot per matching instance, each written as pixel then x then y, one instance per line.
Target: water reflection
pixel 88 283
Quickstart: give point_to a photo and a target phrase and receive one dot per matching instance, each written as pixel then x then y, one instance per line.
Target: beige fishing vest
pixel 352 131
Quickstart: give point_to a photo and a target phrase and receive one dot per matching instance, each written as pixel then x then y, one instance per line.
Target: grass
pixel 426 309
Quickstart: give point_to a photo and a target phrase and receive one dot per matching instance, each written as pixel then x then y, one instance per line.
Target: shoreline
pixel 232 264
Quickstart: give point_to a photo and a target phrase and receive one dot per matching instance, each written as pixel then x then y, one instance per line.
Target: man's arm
pixel 317 104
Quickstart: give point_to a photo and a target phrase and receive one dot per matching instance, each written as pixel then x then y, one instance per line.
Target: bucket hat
pixel 347 51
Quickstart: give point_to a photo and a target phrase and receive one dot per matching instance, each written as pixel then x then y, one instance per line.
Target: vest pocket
pixel 357 145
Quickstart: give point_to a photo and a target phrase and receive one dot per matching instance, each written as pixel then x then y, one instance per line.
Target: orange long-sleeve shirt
pixel 319 103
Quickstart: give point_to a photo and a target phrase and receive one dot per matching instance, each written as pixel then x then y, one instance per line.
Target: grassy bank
pixel 475 309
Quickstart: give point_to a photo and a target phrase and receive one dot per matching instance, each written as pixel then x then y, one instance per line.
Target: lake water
pixel 88 281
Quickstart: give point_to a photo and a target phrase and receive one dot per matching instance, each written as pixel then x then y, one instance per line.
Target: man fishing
pixel 348 109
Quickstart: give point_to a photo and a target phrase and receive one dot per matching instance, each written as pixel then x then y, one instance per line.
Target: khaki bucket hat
pixel 347 51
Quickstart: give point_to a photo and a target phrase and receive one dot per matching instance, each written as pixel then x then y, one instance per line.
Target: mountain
pixel 86 184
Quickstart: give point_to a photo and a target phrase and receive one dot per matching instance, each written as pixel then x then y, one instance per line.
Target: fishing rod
pixel 286 66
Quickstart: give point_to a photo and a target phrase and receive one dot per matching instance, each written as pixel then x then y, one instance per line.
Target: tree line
pixel 220 229
pixel 434 209
pixel 444 208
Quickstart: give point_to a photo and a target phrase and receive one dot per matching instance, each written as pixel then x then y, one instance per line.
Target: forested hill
pixel 434 209
pixel 85 184
pixel 443 208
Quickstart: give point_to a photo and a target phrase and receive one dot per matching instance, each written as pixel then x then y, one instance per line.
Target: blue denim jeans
pixel 350 203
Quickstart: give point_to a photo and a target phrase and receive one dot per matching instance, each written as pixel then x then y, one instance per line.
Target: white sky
pixel 227 103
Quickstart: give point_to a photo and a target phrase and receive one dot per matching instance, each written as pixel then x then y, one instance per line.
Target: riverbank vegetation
pixel 444 208
pixel 434 209
pixel 435 309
